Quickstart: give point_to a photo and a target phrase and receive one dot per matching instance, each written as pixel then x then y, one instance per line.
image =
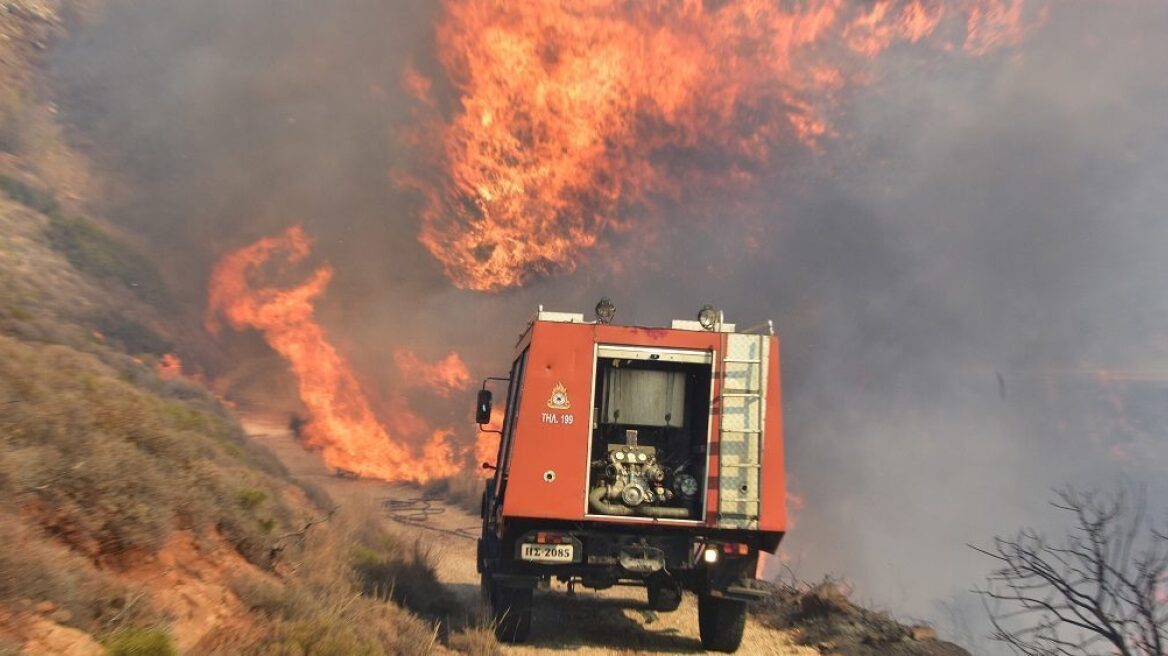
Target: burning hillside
pixel 342 424
pixel 553 126
pixel 952 209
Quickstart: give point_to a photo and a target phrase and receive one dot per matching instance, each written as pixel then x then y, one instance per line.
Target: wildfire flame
pixel 568 116
pixel 169 367
pixel 342 425
pixel 443 377
pixel 570 113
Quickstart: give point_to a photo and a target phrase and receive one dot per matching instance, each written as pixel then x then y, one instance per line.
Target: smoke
pixel 950 269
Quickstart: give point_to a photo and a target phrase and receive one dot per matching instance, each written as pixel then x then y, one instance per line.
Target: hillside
pixel 139 516
pixel 135 515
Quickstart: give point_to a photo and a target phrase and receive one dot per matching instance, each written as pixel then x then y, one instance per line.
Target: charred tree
pixel 1102 589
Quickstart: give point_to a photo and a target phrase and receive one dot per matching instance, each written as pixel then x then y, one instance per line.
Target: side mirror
pixel 483 408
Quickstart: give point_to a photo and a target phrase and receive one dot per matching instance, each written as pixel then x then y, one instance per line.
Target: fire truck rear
pixel 635 456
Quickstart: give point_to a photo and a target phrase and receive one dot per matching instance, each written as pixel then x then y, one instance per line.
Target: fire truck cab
pixel 635 456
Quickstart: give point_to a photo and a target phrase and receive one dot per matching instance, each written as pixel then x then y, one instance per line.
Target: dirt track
pixel 615 621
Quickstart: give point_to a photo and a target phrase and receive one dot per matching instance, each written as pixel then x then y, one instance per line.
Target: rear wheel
pixel 664 597
pixel 721 622
pixel 510 610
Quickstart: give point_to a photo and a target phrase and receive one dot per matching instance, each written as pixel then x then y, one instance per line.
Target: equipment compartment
pixel 650 433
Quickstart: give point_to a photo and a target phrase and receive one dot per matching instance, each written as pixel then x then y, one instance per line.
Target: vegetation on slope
pixel 823 617
pixel 102 460
pixel 120 482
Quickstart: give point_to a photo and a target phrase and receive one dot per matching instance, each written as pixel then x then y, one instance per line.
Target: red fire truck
pixel 635 456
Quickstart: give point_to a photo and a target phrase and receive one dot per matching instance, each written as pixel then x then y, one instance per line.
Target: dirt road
pixel 614 621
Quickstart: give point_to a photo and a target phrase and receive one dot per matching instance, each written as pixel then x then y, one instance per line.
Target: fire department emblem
pixel 559 399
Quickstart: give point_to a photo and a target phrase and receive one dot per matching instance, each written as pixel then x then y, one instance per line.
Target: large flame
pixel 442 377
pixel 342 424
pixel 570 113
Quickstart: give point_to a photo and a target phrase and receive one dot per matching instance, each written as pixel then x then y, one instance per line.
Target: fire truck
pixel 635 456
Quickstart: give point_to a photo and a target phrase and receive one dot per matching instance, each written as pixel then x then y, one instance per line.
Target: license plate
pixel 547 553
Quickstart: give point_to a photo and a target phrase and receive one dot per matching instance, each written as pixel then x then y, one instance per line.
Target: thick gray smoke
pixel 982 238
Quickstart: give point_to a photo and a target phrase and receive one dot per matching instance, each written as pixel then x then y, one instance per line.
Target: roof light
pixel 709 317
pixel 605 310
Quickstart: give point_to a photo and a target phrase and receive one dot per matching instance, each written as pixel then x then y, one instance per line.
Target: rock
pixel 45 637
pixel 45 607
pixel 923 633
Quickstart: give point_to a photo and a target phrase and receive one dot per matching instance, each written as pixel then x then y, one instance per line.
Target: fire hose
pixel 417 511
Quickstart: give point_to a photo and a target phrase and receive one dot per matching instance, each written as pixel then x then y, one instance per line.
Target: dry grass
pixel 33 569
pixel 104 459
pixel 100 459
pixel 28 123
pixel 336 599
pixel 477 641
pixel 113 468
pixel 464 490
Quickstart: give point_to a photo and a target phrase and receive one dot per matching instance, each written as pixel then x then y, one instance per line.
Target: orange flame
pixel 570 114
pixel 795 505
pixel 342 424
pixel 169 367
pixel 443 377
pixel 998 23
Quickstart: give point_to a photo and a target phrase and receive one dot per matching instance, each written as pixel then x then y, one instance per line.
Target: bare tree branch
pixel 1104 587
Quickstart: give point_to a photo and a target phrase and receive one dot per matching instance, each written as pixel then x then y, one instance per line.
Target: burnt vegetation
pixel 822 616
pixel 1102 588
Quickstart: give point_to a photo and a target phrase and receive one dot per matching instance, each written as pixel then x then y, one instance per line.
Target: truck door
pixel 510 419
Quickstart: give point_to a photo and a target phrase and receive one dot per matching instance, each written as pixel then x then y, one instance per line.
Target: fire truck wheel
pixel 664 597
pixel 721 622
pixel 511 609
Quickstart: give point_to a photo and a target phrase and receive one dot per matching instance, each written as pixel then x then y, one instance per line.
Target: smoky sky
pixel 980 238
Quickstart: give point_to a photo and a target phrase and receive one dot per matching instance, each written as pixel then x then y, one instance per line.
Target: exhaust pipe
pixel 598 501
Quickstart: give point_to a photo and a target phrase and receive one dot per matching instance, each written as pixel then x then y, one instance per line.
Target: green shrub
pixel 130 335
pixel 139 642
pixel 121 467
pixel 183 417
pixel 13 119
pixel 91 250
pixel 40 200
pixel 320 638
